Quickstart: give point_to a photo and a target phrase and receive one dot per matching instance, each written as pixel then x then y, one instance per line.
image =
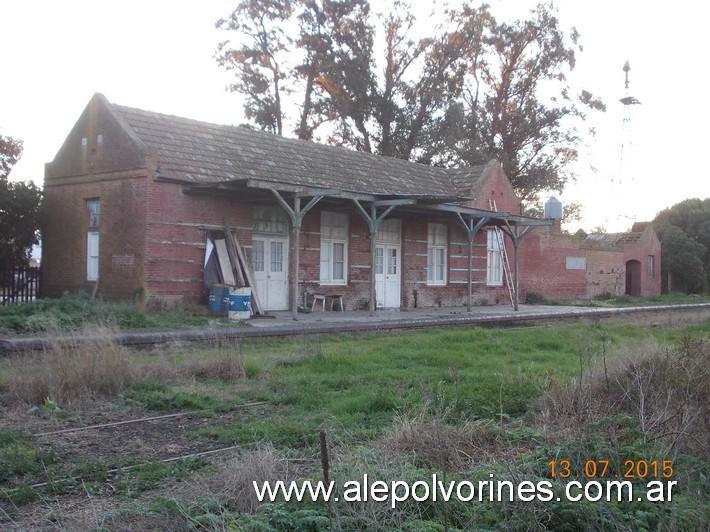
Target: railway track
pixel 110 432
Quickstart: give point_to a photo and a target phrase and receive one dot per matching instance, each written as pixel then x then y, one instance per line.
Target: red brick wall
pixel 98 160
pixel 544 269
pixel 177 228
pixel 649 245
pixel 414 289
pixel 153 244
pixel 152 234
pixel 97 144
pixel 121 236
pixel 496 186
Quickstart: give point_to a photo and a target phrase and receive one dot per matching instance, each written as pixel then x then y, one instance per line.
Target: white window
pixel 651 266
pixel 436 257
pixel 333 248
pixel 576 263
pixel 92 256
pixel 495 258
pixel 92 239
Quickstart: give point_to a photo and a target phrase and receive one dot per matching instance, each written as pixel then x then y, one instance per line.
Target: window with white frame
pixel 651 269
pixel 333 248
pixel 436 256
pixel 494 275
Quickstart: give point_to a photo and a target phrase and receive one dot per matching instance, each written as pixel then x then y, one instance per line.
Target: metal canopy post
pixel 373 223
pixel 471 229
pixel 296 214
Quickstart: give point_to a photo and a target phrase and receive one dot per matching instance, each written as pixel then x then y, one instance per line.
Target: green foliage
pixel 10 152
pixel 260 74
pixel 684 231
pixel 20 455
pixel 360 385
pixel 465 91
pixel 17 497
pixel 457 402
pixel 73 312
pixel 155 395
pixel 535 298
pixel 135 481
pixel 19 210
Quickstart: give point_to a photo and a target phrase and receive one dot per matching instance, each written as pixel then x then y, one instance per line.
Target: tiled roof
pixel 611 240
pixel 468 181
pixel 202 153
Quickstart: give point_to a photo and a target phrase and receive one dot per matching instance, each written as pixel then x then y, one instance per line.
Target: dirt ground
pixel 145 441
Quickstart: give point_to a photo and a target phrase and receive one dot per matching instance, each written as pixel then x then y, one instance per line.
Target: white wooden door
pixel 269 259
pixel 388 276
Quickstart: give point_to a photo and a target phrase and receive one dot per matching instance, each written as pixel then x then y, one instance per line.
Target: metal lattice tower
pixel 626 143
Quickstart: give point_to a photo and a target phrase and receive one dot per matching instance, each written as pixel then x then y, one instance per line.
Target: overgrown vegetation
pixel 73 312
pixel 66 371
pixel 462 403
pixel 70 313
pixel 612 300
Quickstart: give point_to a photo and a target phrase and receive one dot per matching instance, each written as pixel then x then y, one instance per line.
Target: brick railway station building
pixel 135 198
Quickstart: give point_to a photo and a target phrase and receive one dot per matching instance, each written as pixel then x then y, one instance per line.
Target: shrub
pixel 534 298
pixel 653 395
pixel 236 478
pixel 227 365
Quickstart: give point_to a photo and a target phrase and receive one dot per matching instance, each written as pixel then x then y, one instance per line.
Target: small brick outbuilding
pixel 133 197
pixel 586 266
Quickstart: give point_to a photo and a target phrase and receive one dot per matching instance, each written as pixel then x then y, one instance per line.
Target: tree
pixel 19 209
pixel 684 231
pixel 340 48
pixel 258 61
pixel 10 152
pixel 504 113
pixel 457 95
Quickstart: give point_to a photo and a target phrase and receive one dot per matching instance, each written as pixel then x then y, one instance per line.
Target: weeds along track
pixel 140 420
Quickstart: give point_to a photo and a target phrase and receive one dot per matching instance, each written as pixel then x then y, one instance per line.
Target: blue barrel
pixel 218 299
pixel 240 303
pixel 225 303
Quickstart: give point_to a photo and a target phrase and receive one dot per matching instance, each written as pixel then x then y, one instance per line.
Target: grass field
pixel 462 403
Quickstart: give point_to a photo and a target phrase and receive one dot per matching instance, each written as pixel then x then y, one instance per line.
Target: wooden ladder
pixel 504 253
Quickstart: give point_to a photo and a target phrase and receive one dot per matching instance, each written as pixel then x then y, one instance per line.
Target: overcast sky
pixel 159 55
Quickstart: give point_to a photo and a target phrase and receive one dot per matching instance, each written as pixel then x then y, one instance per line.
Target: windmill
pixel 628 101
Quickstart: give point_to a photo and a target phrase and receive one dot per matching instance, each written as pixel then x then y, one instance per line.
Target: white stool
pixel 339 299
pixel 318 297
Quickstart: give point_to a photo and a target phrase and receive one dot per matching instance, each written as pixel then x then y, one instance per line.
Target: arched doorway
pixel 633 278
